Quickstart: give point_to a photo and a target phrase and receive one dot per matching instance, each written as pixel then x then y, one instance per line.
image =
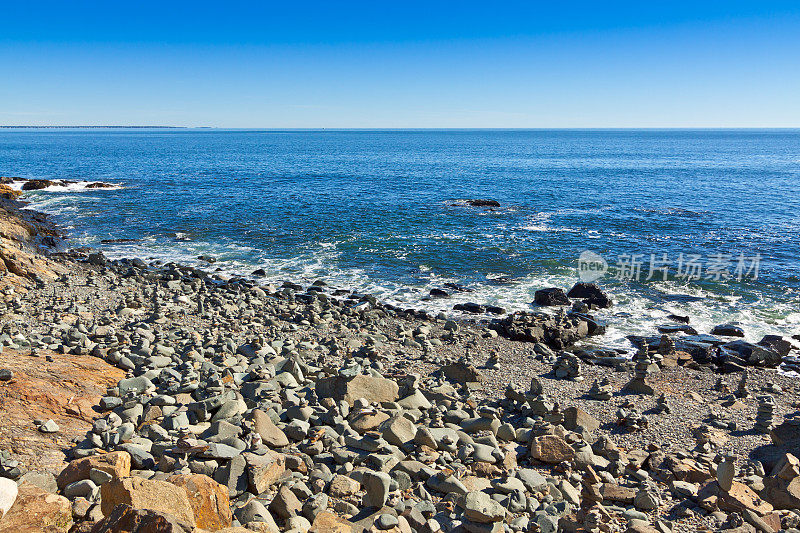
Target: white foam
pixel 61 186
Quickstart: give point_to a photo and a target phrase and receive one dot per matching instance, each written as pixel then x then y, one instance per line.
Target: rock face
pixel 139 493
pixel 371 388
pixel 19 252
pixel 209 500
pixel 125 519
pixel 37 511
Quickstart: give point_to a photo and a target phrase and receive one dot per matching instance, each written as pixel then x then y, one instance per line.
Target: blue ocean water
pixel 381 212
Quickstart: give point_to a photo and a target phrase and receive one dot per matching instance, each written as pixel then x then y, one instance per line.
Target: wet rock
pixel 553 296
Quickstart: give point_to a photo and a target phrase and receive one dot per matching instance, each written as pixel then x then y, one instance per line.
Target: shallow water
pixel 379 211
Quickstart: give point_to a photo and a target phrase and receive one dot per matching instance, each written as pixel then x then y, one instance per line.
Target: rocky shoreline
pixel 261 408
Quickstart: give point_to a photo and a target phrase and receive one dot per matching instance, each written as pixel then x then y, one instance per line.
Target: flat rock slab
pixel 65 390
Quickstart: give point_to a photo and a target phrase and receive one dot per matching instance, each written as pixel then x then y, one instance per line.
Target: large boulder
pixel 557 332
pixel 37 511
pixel 782 486
pixel 209 500
pixel 117 464
pixel 591 294
pixel 550 297
pixel 753 353
pixel 35 185
pixel 371 388
pixel 159 496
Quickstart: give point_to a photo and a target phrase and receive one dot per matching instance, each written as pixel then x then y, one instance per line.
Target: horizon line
pixel 381 128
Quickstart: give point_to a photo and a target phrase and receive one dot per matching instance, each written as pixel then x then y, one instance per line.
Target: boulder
pixel 480 507
pixel 576 419
pixel 462 373
pixel 371 388
pixel 117 464
pixel 35 185
pixel 139 493
pixel 551 449
pixel 728 330
pixel 125 519
pixel 37 511
pixel 271 435
pixel 265 470
pixel 753 353
pixel 8 494
pixel 209 500
pixel 782 486
pixel 327 522
pixel 551 297
pixel 591 294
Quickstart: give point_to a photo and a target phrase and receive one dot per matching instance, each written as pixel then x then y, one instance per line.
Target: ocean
pixel 384 212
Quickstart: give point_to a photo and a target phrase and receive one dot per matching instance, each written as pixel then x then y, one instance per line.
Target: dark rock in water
pixel 207 258
pixel 591 294
pixel 495 310
pixel 260 272
pixel 728 330
pixel 99 185
pixel 708 339
pixel 295 286
pixel 458 288
pixel 551 296
pixel 35 185
pixel 675 328
pixel 681 298
pixel 97 259
pixel 483 203
pixel 470 307
pixel 678 318
pixel 439 293
pixel 777 343
pixel 118 241
pixel 754 354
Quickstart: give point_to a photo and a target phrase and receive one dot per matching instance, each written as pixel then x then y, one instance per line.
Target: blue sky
pixel 401 64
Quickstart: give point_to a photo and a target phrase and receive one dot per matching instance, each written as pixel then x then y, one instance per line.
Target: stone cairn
pixel 601 390
pixel 568 366
pixel 741 389
pixel 666 345
pixel 662 406
pixel 638 383
pixel 765 413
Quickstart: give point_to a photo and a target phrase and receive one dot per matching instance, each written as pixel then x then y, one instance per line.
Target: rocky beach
pixel 144 396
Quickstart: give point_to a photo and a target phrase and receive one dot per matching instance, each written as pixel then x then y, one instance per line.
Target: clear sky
pixel 401 64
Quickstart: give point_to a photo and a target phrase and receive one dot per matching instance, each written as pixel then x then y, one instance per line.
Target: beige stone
pixel 209 500
pixel 118 464
pixel 551 449
pixel 159 496
pixel 37 511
